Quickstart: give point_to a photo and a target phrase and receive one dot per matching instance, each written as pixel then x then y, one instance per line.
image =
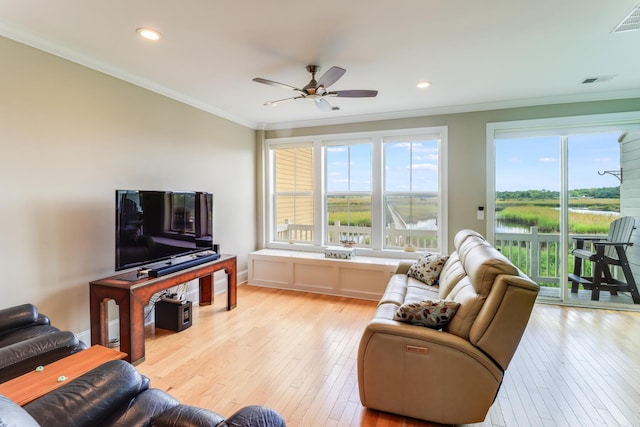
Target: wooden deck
pixel 296 352
pixel 584 296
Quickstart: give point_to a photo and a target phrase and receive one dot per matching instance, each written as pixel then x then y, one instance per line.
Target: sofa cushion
pixel 432 314
pixel 418 291
pixel 482 264
pixel 386 311
pixel 452 272
pixel 95 398
pixel 395 291
pixel 428 267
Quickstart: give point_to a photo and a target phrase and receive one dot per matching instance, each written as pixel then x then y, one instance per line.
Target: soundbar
pixel 172 268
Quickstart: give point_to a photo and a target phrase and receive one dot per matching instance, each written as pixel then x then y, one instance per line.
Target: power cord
pixel 180 293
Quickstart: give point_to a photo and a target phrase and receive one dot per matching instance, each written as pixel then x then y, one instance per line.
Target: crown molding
pixel 456 109
pixel 40 43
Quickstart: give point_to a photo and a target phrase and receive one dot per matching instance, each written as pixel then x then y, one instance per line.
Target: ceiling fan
pixel 317 90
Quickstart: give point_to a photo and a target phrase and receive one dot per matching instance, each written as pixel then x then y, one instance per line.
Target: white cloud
pixel 426 166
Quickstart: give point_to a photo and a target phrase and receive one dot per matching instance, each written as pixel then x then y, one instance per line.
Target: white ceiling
pixel 478 54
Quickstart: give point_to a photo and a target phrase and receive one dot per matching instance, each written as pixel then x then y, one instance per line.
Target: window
pixel 293 193
pixel 381 191
pixel 348 194
pixel 183 208
pixel 411 193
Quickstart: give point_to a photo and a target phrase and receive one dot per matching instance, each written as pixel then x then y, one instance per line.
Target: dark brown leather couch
pixel 116 394
pixel 27 340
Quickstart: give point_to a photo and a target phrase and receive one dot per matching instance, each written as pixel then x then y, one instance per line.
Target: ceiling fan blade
pixel 354 93
pixel 322 104
pixel 331 76
pixel 274 103
pixel 272 83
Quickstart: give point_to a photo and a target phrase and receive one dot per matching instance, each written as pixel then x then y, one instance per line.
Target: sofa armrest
pixel 415 371
pixel 403 267
pixel 102 394
pixel 501 322
pixel 24 356
pixel 432 339
pixel 255 416
pixel 189 416
pixel 17 317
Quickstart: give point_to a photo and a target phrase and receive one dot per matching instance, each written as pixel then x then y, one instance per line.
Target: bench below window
pixel 359 277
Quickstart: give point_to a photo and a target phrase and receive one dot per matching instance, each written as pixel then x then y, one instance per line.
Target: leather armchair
pixel 28 340
pixel 116 394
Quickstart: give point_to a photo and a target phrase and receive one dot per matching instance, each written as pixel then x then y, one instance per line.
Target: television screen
pixel 153 226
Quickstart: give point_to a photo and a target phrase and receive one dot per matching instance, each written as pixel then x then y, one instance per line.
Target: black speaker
pixel 216 248
pixel 173 316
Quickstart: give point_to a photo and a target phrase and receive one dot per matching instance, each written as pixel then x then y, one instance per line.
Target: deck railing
pixel 536 254
pixel 394 237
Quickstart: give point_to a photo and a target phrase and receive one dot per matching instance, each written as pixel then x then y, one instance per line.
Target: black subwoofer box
pixel 173 316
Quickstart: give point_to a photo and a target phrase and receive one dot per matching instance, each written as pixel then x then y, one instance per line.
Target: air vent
pixel 597 79
pixel 630 22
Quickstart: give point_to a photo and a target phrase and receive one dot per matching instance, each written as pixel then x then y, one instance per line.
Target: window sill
pixel 396 254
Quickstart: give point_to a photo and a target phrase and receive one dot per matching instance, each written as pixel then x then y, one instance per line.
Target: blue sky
pixel 409 166
pixel 534 163
pixel 521 164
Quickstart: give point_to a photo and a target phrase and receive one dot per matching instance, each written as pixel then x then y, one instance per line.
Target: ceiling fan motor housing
pixel 311 87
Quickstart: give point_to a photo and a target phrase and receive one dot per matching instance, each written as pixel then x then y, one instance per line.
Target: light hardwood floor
pixel 296 352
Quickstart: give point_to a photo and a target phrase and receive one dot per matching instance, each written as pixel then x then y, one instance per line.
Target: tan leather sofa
pixel 449 376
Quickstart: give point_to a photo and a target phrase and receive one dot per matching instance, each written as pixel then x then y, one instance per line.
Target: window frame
pixel 411 139
pixel 377 139
pixel 326 146
pixel 272 195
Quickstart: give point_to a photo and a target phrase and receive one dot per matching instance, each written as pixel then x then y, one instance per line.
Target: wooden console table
pixel 34 384
pixel 132 294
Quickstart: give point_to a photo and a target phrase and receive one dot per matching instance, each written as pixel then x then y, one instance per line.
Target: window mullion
pixel 377 208
pixel 318 194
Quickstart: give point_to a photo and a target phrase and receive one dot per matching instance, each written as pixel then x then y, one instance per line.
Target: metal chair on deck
pixel 611 251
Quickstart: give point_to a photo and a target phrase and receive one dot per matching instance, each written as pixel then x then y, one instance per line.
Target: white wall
pixel 69 137
pixel 630 194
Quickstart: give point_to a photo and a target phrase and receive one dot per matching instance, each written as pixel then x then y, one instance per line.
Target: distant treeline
pixel 593 193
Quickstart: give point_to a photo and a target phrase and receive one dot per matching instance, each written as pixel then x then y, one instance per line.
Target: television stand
pixel 132 296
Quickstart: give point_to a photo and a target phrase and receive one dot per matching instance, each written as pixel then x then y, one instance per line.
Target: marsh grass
pixel 356 211
pixel 545 214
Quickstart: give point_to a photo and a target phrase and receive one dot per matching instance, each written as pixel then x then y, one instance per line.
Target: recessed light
pixel 148 33
pixel 423 84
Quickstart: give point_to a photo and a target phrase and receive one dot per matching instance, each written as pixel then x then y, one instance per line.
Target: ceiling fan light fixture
pixel 148 34
pixel 423 84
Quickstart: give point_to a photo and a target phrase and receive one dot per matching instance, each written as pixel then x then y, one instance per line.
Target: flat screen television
pixel 152 226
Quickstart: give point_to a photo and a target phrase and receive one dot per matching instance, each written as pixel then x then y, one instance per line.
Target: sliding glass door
pixel 527 213
pixel 553 182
